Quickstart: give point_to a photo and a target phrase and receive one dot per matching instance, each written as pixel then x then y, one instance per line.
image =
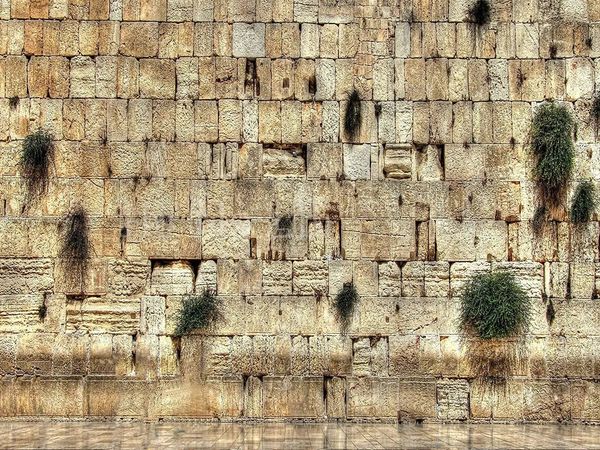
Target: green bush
pixel 76 247
pixel 480 12
pixel 198 312
pixel 345 303
pixel 37 155
pixel 353 115
pixel 494 306
pixel 584 202
pixel 552 144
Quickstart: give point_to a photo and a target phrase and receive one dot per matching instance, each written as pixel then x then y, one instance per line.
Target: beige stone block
pixel 226 239
pixel 269 122
pixel 206 120
pixel 139 39
pixel 157 78
pixel 293 397
pixel 370 396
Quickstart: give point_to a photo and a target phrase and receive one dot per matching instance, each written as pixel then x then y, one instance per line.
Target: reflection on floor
pixel 134 435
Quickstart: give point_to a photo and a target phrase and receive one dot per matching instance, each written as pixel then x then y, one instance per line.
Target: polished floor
pixel 193 435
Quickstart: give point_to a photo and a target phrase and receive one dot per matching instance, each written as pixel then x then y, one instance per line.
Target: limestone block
pixel 157 78
pixel 452 399
pixel 282 79
pixel 310 277
pixel 579 78
pixel 230 119
pixel 425 279
pixel 371 396
pixel 325 79
pixel 21 313
pixel 206 280
pixel 293 397
pixel 83 77
pixel 415 79
pixel 383 79
pixel 103 315
pixel 248 40
pixel 173 278
pixel 277 278
pixel 26 276
pixel 398 161
pixel 329 41
pixel 226 239
pixel 269 122
pixel 206 121
pixel 139 39
pixel 380 240
pixel 283 162
pixel 357 162
pixel 127 276
pixel 390 284
pixel 139 119
pixel 324 161
pixel 213 397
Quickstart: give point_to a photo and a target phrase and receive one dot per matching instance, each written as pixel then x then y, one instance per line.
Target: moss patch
pixel 353 115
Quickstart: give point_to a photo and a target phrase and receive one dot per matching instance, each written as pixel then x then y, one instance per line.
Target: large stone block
pixel 248 40
pixel 226 239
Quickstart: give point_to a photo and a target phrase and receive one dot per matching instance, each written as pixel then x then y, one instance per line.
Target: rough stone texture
pixel 206 141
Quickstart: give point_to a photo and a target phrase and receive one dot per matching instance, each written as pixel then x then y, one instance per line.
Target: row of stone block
pixel 373 239
pixel 191 78
pixel 294 40
pixel 302 397
pixel 309 11
pixel 570 351
pixel 122 123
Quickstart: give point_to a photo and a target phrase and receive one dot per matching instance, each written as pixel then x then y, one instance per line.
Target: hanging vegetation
pixel 494 306
pixel 480 12
pixel 552 144
pixel 198 312
pixel 75 250
pixel 353 115
pixel 36 158
pixel 584 203
pixel 345 303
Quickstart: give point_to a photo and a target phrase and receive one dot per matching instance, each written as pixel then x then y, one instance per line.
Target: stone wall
pixel 190 130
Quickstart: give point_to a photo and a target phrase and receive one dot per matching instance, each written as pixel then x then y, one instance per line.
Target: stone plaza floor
pixel 288 436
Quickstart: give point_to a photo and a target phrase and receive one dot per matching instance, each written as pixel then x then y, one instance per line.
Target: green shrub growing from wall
pixel 198 312
pixel 353 115
pixel 480 13
pixel 552 144
pixel 75 249
pixel 345 304
pixel 494 306
pixel 584 202
pixel 36 158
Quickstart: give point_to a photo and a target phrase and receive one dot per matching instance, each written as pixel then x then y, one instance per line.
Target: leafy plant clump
pixel 75 250
pixel 494 306
pixel 480 13
pixel 552 144
pixel 198 312
pixel 353 115
pixel 37 155
pixel 584 202
pixel 345 303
